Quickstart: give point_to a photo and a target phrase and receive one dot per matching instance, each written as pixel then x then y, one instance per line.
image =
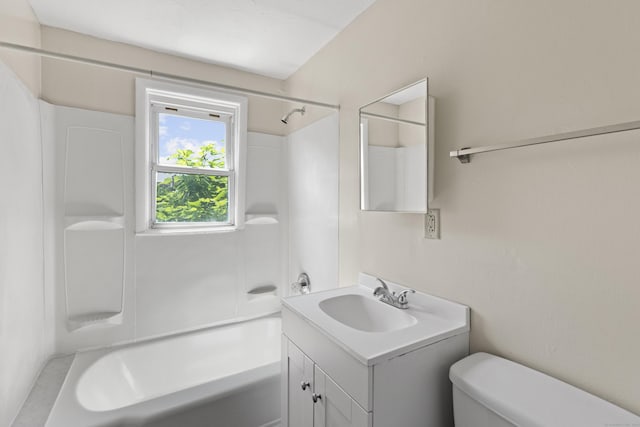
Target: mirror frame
pixel 363 158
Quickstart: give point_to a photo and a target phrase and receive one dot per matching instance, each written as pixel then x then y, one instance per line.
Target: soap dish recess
pixel 261 219
pixel 94 319
pixel 262 291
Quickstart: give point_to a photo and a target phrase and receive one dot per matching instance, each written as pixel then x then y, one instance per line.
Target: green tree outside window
pixel 192 197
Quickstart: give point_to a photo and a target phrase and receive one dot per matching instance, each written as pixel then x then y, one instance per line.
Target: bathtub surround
pixel 219 269
pixel 222 267
pixel 313 203
pixel 156 284
pixel 24 335
pixel 23 331
pixel 166 301
pixel 159 299
pixel 542 243
pixel 22 311
pixel 89 241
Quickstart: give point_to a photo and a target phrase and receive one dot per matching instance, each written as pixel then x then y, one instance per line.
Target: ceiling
pixel 269 37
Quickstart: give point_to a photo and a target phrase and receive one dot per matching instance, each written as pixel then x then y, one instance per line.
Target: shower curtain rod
pixel 161 75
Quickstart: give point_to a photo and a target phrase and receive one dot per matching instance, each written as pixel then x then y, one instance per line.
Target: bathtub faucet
pixel 302 285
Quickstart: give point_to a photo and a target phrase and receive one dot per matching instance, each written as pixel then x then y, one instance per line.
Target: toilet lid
pixel 527 397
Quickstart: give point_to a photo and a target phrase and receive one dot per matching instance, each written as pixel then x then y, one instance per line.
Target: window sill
pixel 186 231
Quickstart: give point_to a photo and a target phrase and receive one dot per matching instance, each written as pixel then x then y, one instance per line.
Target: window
pixel 189 158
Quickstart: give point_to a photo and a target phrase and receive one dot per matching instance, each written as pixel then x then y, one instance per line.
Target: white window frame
pixel 153 97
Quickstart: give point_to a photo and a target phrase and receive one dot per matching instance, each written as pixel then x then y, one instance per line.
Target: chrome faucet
pixel 385 295
pixel 302 285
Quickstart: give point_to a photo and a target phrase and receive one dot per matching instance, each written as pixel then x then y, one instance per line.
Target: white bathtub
pixel 226 376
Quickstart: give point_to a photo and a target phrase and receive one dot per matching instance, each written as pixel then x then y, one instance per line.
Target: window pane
pixel 187 141
pixel 192 198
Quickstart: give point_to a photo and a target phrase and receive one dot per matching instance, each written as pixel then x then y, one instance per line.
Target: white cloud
pixel 175 144
pixel 218 144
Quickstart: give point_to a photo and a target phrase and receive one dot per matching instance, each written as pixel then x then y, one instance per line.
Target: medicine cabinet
pixel 396 151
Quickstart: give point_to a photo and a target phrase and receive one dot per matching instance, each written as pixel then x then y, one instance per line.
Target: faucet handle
pixel 402 296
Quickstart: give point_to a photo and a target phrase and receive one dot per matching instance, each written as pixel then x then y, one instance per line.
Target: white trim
pixel 192 170
pixel 192 98
pixel 364 164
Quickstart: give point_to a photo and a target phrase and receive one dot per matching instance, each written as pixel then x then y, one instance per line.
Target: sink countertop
pixel 437 319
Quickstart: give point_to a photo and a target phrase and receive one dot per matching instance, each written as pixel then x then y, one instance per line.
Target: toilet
pixel 489 391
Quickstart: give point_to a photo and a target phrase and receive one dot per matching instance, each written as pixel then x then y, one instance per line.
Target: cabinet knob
pixel 304 385
pixel 316 397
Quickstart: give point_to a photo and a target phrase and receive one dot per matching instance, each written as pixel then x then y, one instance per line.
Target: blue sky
pixel 180 132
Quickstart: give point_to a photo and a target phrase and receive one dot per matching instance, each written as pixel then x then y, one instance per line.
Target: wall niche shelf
pixel 93 223
pixel 94 319
pixel 262 291
pixel 261 219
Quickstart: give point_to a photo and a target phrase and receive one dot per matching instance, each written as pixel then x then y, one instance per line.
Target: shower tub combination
pixel 223 376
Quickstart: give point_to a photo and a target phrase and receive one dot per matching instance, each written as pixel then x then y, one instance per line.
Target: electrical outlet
pixel 432 224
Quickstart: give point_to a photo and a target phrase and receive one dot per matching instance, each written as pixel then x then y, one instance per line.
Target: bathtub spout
pixel 302 285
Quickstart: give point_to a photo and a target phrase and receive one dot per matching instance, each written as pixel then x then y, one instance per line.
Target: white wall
pixel 23 342
pixel 18 24
pixel 542 243
pixel 313 203
pixel 100 89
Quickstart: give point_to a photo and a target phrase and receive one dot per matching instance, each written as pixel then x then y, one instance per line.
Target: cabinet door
pixel 334 407
pixel 300 375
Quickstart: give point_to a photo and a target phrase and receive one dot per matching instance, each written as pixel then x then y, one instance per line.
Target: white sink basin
pixel 366 314
pixel 368 329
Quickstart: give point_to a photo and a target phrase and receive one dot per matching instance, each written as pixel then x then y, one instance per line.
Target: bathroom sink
pixel 369 330
pixel 366 314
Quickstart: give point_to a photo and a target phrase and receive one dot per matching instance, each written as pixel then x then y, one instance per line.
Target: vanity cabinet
pixel 299 385
pixel 340 372
pixel 314 399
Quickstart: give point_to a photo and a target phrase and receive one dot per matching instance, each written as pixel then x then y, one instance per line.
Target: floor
pixel 37 407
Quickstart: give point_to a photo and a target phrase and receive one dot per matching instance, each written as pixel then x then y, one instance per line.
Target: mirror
pixel 396 137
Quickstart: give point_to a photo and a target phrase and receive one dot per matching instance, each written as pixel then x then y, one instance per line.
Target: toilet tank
pixel 489 391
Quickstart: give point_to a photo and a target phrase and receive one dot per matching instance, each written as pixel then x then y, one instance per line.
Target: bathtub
pixel 226 376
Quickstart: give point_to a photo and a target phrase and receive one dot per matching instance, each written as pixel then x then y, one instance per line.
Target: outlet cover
pixel 432 224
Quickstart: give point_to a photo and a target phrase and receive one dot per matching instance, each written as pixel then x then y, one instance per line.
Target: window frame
pixel 153 98
pixel 157 108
